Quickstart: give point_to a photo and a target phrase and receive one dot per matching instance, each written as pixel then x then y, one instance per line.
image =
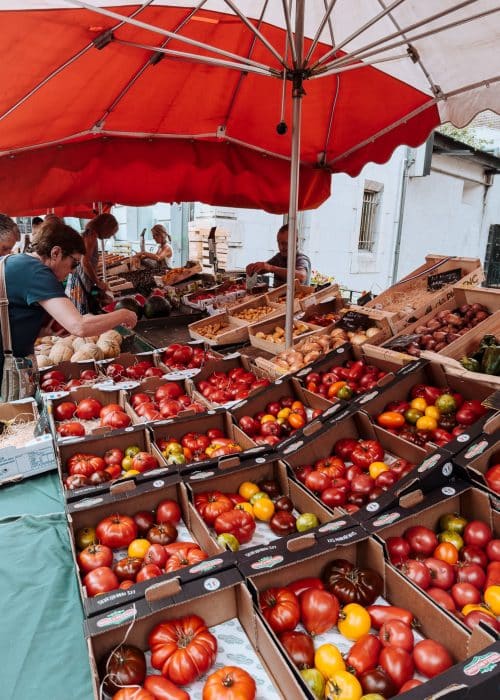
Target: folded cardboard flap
pixel 409 500
pixel 123 486
pixel 387 379
pixel 312 428
pixel 163 589
pixel 229 462
pixel 445 692
pixel 298 544
pixel 492 424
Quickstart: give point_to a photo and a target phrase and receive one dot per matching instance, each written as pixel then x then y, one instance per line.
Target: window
pixel 24 225
pixel 369 210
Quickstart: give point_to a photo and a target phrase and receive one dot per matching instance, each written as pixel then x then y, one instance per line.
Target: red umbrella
pixel 227 101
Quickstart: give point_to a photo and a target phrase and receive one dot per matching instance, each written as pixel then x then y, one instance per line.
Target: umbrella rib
pixel 377 45
pixel 326 18
pixel 359 31
pixel 358 64
pixel 289 31
pixel 157 30
pixel 256 32
pixel 431 103
pixel 60 69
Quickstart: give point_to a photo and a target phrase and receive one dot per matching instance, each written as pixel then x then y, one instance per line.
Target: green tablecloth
pixel 43 649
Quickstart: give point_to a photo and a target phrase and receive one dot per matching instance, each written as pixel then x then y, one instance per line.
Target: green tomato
pixel 452 537
pixel 314 681
pixel 372 696
pixel 345 392
pixel 127 463
pixel 452 522
pixel 306 521
pixel 446 404
pixel 176 458
pixel 85 537
pixel 174 448
pixel 228 541
pixel 412 415
pixel 257 496
pixel 132 450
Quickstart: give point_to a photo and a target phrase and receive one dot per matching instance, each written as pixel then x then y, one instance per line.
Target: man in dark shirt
pixel 277 265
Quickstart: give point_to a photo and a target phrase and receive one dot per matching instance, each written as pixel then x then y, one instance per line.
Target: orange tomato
pixel 284 413
pixel 296 420
pixel 377 468
pixel 334 388
pixel 426 423
pixel 446 552
pixel 297 406
pixel 263 509
pixel 268 418
pixel 471 607
pixel 419 403
pixel 247 489
pixel 391 419
pixel 492 599
pixel 188 454
pixel 137 548
pixel 433 412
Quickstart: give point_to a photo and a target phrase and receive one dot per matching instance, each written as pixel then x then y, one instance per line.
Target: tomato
pixel 492 599
pixel 93 556
pixel 116 531
pixel 116 420
pixel 366 452
pixel 138 548
pixel 71 429
pixel 382 613
pixel 229 683
pixel 473 618
pixel 409 685
pixel 395 633
pixel 86 465
pixel 85 536
pixel 156 554
pixel 398 550
pixel 280 608
pixel 304 584
pixel 314 680
pixel 453 522
pixel 376 681
pixel 343 686
pixel 299 647
pixel 354 621
pixel 306 521
pixel 464 594
pixel 182 649
pixel 453 538
pixel 319 610
pixel 65 410
pixel 447 552
pixel 377 468
pixel 493 550
pixel 113 456
pixel 364 653
pixel 477 533
pixel 282 523
pixel 263 509
pixel 76 481
pixel 492 574
pixel 474 555
pixel 471 573
pixel 442 574
pixel 212 504
pixel 391 419
pixel 422 540
pixel 417 572
pixel 318 481
pixel 237 523
pixel 492 477
pixel 126 569
pixel 442 598
pixel 398 664
pixel 385 480
pixel 163 689
pixel 100 580
pixel 168 511
pixel 344 447
pixel 328 660
pixel 144 519
pixel 163 533
pixel 185 556
pixel 133 693
pixel 431 658
pixel 350 584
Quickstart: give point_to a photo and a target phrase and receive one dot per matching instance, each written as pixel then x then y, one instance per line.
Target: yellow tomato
pixel 127 463
pixel 426 423
pixel 354 621
pixel 129 473
pixel 328 660
pixel 284 413
pixel 377 468
pixel 138 548
pixel 343 686
pixel 471 607
pixel 419 403
pixel 492 599
pixel 246 506
pixel 433 412
pixel 257 497
pixel 268 418
pixel 247 489
pixel 263 509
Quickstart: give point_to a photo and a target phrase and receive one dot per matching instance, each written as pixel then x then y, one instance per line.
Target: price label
pixel 442 279
pixel 353 320
pixel 402 341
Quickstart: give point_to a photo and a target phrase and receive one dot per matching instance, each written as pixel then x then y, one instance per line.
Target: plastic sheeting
pixel 39 495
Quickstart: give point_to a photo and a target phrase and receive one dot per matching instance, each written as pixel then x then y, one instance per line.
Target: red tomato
pixel 442 574
pixel 168 510
pixel 133 693
pixel 238 523
pixel 492 574
pixel 476 616
pixel 229 683
pixel 390 419
pixel 465 593
pixel 116 420
pixel 398 664
pixel 114 456
pixel 318 481
pixel 395 633
pixel 300 648
pixel 409 685
pixel 473 574
pixel 71 429
pixel 475 555
pixel 156 554
pixel 64 410
pixel 125 665
pixel 211 504
pixel 304 584
pixel 86 465
pixel 126 569
pixel 148 571
pixel 144 462
pixel 382 613
pixel 182 649
pixel 88 409
pixel 116 531
pixel 398 550
pixel 477 533
pixel 185 556
pixel 364 653
pixel 344 447
pixel 319 610
pixel 144 519
pixel 493 550
pixel 280 608
pixel 492 477
pixel 442 598
pixel 100 580
pixel 431 658
pixel 163 689
pixel 417 572
pixel 93 556
pixel 366 452
pixel 422 540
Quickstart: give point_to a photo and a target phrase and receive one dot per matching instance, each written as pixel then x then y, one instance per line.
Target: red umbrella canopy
pixel 178 101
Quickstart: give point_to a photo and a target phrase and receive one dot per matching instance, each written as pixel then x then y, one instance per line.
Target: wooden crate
pixel 302 292
pixel 269 326
pixel 256 302
pixel 234 333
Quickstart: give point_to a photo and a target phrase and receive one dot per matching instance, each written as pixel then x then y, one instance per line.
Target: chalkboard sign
pixel 402 341
pixel 364 299
pixel 436 282
pixel 353 321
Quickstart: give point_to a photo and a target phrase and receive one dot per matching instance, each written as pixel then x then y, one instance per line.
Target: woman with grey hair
pixel 9 234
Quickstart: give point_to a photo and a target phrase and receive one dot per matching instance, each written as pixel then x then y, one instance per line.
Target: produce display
pixel 212 329
pixel 254 314
pixel 141 369
pixel 457 564
pixel 309 350
pixel 123 550
pixel 325 319
pixel 486 358
pixel 235 517
pixel 234 385
pixel 51 350
pixel 75 419
pixel 353 378
pixel 357 472
pixel 197 447
pixel 441 330
pixel 89 469
pixel 279 420
pixel 167 401
pixel 55 380
pixel 178 357
pixel 345 640
pixel 430 414
pixel 278 334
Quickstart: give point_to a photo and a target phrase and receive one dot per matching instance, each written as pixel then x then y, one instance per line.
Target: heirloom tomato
pixel 431 658
pixel 319 610
pixel 280 608
pixel 300 648
pixel 350 584
pixel 211 504
pixel 229 683
pixel 354 621
pixel 364 653
pixel 236 522
pixel 126 665
pixel 163 689
pixel 342 685
pixel 116 531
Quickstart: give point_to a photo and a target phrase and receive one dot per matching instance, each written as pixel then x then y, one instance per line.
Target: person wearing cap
pixel 277 265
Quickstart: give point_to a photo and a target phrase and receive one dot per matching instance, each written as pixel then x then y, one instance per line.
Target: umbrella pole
pixel 104 271
pixel 297 92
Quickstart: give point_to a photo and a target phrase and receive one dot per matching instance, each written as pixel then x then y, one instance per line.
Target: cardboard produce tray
pixel 150 386
pixel 480 455
pixel 225 604
pixel 128 501
pixel 231 332
pixel 286 561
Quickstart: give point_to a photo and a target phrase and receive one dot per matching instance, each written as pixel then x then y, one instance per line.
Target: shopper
pixel 84 278
pixel 278 264
pixel 164 252
pixel 9 234
pixel 36 295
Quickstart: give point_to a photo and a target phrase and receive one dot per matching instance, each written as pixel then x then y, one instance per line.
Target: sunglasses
pixel 75 262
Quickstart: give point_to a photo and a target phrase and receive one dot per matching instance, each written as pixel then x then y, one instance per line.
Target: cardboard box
pixel 71 370
pixel 358 427
pixel 415 509
pixel 480 455
pixel 128 501
pixel 302 292
pixel 312 307
pixel 269 326
pixel 200 423
pixel 149 386
pixel 98 445
pixel 420 292
pixel 290 560
pixel 126 359
pixel 36 455
pixel 361 319
pixel 232 333
pixel 225 604
pixel 175 374
pixel 326 294
pixel 228 480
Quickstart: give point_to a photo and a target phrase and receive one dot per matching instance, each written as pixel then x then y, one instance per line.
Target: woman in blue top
pixel 36 296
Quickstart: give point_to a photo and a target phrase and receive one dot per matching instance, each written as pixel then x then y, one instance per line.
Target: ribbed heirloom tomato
pixel 280 608
pixel 116 531
pixel 229 683
pixel 210 504
pixel 236 522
